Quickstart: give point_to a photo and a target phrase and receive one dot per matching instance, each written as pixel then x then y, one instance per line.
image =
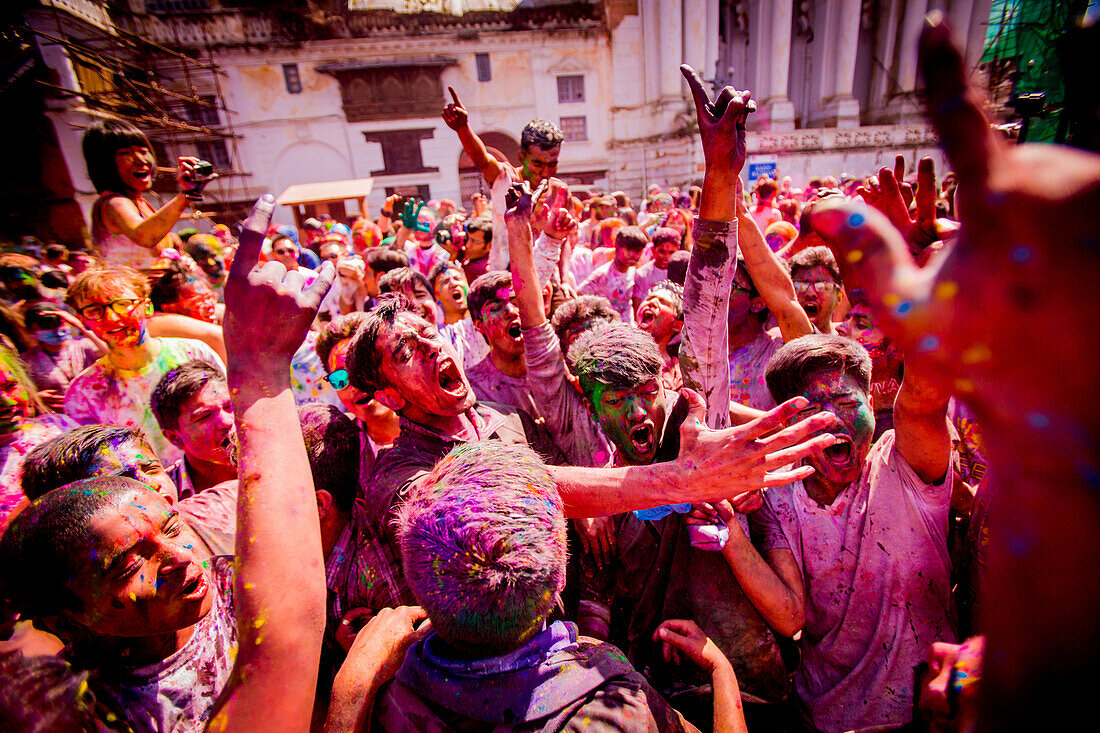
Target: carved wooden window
pixel 401 151
pixel 390 92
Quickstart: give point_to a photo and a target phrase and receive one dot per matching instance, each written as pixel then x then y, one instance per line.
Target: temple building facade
pixel 276 94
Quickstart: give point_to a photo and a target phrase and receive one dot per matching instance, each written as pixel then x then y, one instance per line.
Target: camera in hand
pixel 203 169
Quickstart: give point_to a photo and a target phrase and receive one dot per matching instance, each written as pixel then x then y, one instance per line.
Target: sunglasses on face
pixel 338 379
pixel 821 288
pixel 96 311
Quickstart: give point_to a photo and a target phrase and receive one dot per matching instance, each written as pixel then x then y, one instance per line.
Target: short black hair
pixel 540 133
pixel 335 331
pixel 616 355
pixel 441 267
pixel 633 238
pixel 791 367
pixel 579 309
pixel 101 141
pixel 481 224
pixel 178 385
pixel 815 257
pixel 678 266
pixel 165 289
pixel 383 259
pixel 332 446
pixel 364 360
pixel 70 456
pixel 38 551
pixel 484 289
pixel 399 278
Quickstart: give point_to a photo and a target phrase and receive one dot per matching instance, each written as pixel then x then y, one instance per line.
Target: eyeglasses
pixel 96 311
pixel 338 379
pixel 821 288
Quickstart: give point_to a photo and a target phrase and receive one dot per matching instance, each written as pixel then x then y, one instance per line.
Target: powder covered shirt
pixel 56 371
pixel 747 366
pixel 492 385
pixel 618 287
pixel 177 694
pixel 646 277
pixel 307 376
pixel 33 433
pixel 103 393
pixel 878 581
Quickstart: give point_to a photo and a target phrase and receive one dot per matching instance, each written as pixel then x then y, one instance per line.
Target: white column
pixel 711 57
pixel 671 19
pixel 839 107
pixel 915 11
pixel 886 38
pixel 773 65
pixel 695 36
pixel 651 48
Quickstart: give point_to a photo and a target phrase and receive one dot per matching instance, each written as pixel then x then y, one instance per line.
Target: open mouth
pixel 365 399
pixel 194 589
pixel 456 296
pixel 450 378
pixel 811 309
pixel 514 331
pixel 641 438
pixel 840 453
pixel 646 317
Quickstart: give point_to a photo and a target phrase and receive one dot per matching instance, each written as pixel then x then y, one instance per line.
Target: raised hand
pixel 721 123
pixel 884 192
pixel 410 216
pixel 992 318
pixel 549 214
pixel 268 312
pixel 740 457
pixel 454 114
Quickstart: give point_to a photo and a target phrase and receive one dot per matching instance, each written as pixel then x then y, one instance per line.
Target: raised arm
pixel 704 350
pixel 770 277
pixel 458 119
pixel 278 533
pixel 121 215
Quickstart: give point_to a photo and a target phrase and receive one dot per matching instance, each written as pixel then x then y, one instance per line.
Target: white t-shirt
pixel 618 287
pixel 178 694
pixel 878 586
pixel 747 367
pixel 646 277
pixel 498 253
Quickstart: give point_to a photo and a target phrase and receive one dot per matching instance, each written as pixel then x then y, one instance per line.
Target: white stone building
pixel 354 89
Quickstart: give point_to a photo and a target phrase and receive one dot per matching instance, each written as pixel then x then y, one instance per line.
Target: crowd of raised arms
pixel 723 457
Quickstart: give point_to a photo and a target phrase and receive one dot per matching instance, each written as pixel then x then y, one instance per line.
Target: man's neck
pixel 204 474
pixel 744 333
pixel 453 316
pixel 510 365
pixel 621 268
pixel 460 427
pixel 825 325
pixel 133 358
pixel 821 491
pixel 136 651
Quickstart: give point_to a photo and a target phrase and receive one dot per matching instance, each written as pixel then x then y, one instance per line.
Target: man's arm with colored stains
pixel 704 353
pixel 770 277
pixel 278 532
pixel 458 119
pixel 704 347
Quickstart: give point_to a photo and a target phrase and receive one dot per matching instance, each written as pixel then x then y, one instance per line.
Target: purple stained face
pixel 842 396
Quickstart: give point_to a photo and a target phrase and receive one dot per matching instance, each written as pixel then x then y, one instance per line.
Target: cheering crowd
pixel 729 457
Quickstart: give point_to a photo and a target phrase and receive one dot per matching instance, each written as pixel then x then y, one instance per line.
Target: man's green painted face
pixel 634 419
pixel 537 164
